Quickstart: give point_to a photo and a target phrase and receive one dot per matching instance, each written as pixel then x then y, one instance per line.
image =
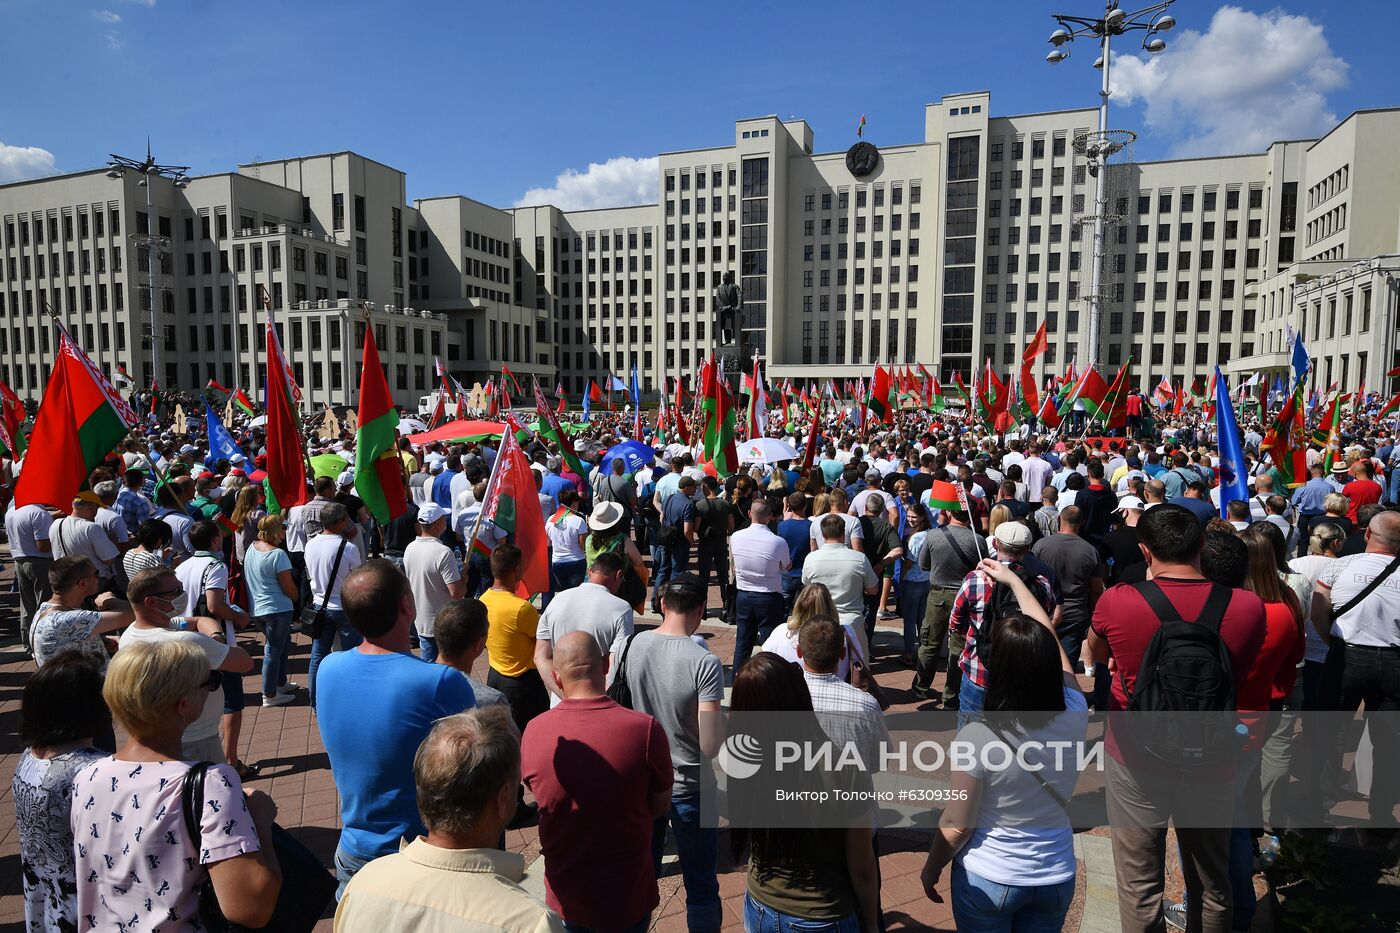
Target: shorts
pixel 233 692
pixel 205 749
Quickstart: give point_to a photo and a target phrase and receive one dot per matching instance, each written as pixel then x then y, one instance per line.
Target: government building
pixel 947 251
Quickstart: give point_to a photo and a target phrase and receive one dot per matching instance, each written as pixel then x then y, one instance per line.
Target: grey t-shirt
pixel 670 676
pixel 589 608
pixel 1076 563
pixel 946 562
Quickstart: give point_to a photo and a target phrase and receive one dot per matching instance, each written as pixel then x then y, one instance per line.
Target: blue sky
pixel 492 100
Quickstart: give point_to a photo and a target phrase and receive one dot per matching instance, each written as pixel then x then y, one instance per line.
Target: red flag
pixel 1038 345
pixel 512 503
pixel 1049 415
pixel 286 458
pixel 682 429
pixel 214 385
pixel 379 477
pixel 810 453
pixel 12 416
pixel 595 394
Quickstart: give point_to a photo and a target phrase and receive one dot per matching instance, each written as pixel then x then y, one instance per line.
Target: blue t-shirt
pixel 676 510
pixel 553 485
pixel 1202 508
pixel 260 569
pixel 797 532
pixel 374 710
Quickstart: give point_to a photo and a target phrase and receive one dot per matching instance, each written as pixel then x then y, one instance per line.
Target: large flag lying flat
pixel 81 420
pixel 379 478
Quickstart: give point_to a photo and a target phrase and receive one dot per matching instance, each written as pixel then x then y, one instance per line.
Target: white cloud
pixel 115 42
pixel 20 162
pixel 142 2
pixel 1248 80
pixel 106 16
pixel 618 182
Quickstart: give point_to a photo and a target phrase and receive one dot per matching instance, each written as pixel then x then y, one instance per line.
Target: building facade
pixel 949 251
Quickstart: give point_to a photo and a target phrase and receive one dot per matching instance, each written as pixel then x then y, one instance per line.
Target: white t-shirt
pixel 73 536
pixel 207 725
pixel 1376 621
pixel 430 566
pixel 26 525
pixel 200 573
pixel 320 558
pixel 853 530
pixel 563 537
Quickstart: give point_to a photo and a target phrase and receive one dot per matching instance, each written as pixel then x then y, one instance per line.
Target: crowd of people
pixel 1033 576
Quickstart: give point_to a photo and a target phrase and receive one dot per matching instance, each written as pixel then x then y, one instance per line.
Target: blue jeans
pixel 277 634
pixel 760 918
pixel 698 848
pixel 427 648
pixel 982 906
pixel 756 614
pixel 346 865
pixel 791 587
pixel 565 575
pixel 670 562
pixel 335 624
pixel 971 699
pixel 913 601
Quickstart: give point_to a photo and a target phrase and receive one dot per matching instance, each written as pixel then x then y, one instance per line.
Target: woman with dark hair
pixel 819 878
pixel 1008 832
pixel 152 548
pixel 61 713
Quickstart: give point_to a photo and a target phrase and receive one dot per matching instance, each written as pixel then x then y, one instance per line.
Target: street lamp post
pixel 148 168
pixel 1153 21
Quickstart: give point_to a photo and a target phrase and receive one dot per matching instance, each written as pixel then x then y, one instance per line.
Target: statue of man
pixel 728 304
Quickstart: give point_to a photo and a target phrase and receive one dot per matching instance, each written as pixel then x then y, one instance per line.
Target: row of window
pixel 1334 221
pixel 996 150
pixel 873 194
pixel 1332 184
pixel 715 176
pixel 1208 201
pixel 17 229
pixel 888 352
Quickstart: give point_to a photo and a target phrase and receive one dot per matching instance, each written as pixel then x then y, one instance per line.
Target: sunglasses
pixel 215 681
pixel 170 595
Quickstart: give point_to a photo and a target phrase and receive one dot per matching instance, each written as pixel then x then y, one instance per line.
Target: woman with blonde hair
pixel 272 591
pixel 813 601
pixel 1335 507
pixel 247 510
pixel 998 515
pixel 132 823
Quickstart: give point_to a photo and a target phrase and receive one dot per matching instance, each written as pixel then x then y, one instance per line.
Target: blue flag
pixel 1300 357
pixel 586 406
pixel 616 384
pixel 636 388
pixel 1234 482
pixel 222 446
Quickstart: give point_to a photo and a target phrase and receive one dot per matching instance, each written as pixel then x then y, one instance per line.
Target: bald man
pixel 1363 659
pixel 601 774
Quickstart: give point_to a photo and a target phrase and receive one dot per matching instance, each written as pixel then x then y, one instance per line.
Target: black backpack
pixel 1000 604
pixel 1185 680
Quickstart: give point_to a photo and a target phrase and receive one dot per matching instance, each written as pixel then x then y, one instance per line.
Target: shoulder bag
pixel 1355 601
pixel 620 691
pixel 306 885
pixel 313 618
pixel 859 675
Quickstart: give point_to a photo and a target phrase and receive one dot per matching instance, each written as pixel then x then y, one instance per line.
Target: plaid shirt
pixel 966 617
pixel 848 714
pixel 133 508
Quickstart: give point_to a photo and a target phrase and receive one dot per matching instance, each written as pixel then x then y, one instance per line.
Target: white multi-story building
pixel 948 251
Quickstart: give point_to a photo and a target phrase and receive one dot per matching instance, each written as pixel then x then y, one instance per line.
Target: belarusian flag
pixel 512 503
pixel 1390 406
pixel 549 429
pixel 1287 443
pixel 962 388
pixel 1114 409
pixel 514 383
pixel 937 401
pixel 944 495
pixel 682 429
pixel 286 455
pixel 1049 415
pixel 81 419
pixel 242 402
pixel 1091 390
pixel 717 427
pixel 12 418
pixel 214 385
pixel 1038 345
pixel 378 470
pixel 881 400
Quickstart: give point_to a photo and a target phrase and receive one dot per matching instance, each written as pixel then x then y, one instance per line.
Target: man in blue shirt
pixel 796 530
pixel 1195 498
pixel 554 484
pixel 1308 499
pixel 674 537
pixel 375 704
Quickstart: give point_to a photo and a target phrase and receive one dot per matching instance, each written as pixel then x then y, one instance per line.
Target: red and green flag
pixel 12 418
pixel 1390 407
pixel 512 504
pixel 944 495
pixel 1287 442
pixel 514 383
pixel 242 402
pixel 717 420
pixel 881 402
pixel 286 454
pixel 550 430
pixel 379 477
pixel 1049 414
pixel 81 419
pixel 860 127
pixel 1114 409
pixel 1091 390
pixel 1328 425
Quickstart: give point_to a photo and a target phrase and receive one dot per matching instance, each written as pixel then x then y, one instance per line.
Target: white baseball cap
pixel 431 512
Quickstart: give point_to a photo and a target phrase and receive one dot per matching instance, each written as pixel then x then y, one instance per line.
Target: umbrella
pixel 766 450
pixel 459 431
pixel 411 426
pixel 329 465
pixel 258 422
pixel 635 455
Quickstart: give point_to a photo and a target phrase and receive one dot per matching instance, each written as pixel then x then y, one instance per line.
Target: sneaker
pixel 887 614
pixel 289 687
pixel 280 699
pixel 1176 916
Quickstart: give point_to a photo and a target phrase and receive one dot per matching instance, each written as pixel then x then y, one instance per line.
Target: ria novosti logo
pixel 740 756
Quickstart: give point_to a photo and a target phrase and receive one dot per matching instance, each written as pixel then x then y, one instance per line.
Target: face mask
pixel 175 604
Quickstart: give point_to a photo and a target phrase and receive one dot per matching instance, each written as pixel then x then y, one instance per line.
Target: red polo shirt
pixel 592 765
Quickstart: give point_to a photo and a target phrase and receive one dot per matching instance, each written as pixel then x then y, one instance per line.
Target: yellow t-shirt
pixel 410 462
pixel 510 640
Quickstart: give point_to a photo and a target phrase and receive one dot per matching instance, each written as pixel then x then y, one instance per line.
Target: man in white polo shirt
pixel 27 529
pixel 434 575
pixel 758 559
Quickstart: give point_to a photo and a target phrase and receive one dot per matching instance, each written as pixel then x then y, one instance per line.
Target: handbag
pixel 313 618
pixel 860 676
pixel 620 692
pixel 307 887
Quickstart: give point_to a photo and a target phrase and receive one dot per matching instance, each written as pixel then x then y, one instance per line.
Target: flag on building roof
pixel 860 127
pixel 379 479
pixel 81 419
